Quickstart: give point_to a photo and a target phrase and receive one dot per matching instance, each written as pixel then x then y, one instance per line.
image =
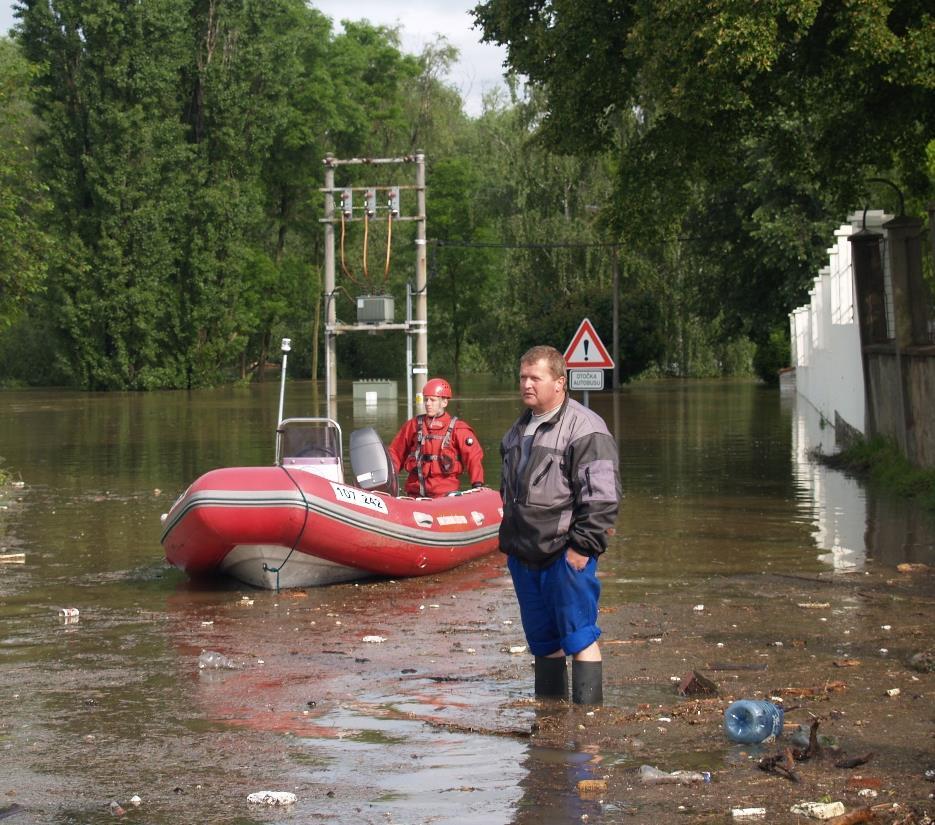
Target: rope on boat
pixel 276 570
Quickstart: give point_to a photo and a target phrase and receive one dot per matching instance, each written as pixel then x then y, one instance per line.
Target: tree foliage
pixel 23 199
pixel 160 174
pixel 745 129
pixel 182 150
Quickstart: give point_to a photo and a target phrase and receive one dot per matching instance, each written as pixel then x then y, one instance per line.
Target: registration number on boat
pixel 359 497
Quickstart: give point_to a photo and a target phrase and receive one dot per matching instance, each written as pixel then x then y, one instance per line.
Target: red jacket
pixel 443 453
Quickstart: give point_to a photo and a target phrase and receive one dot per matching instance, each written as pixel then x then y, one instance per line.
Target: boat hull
pixel 273 527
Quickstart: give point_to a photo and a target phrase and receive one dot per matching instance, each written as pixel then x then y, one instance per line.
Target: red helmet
pixel 437 387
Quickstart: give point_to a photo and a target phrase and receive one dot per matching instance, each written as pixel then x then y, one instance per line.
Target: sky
pixel 479 69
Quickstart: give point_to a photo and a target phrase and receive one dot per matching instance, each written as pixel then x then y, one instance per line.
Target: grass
pixel 879 461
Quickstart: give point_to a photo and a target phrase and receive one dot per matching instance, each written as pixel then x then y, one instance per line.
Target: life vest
pixel 433 454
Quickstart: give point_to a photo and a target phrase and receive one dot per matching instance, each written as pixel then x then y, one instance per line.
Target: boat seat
pixel 371 463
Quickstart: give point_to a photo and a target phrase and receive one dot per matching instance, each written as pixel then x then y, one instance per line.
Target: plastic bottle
pixel 752 720
pixel 653 776
pixel 212 660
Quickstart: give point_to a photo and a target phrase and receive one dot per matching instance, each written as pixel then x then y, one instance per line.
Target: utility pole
pixel 420 366
pixel 375 313
pixel 615 342
pixel 331 359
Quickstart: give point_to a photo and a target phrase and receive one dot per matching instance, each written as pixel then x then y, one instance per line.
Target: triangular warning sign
pixel 587 351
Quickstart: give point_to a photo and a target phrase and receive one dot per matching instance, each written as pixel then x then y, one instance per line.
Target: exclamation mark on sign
pixel 586 342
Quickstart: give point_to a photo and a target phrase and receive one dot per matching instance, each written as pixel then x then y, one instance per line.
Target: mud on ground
pixel 837 650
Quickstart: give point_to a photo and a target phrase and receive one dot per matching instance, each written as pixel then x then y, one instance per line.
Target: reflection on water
pixel 381 415
pixel 835 503
pixel 413 773
pixel 851 523
pixel 717 482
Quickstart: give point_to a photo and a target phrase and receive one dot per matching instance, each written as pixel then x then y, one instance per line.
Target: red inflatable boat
pixel 298 524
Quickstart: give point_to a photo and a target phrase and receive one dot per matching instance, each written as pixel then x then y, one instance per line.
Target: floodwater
pixel 97 708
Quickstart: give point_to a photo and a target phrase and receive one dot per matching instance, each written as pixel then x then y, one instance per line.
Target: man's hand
pixel 575 559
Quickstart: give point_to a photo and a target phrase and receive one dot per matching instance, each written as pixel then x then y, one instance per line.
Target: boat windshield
pixel 311 444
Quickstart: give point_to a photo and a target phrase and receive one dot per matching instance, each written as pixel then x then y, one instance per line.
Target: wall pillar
pixel 870 306
pixel 910 299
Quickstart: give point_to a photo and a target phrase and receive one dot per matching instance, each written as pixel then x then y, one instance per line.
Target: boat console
pixel 313 445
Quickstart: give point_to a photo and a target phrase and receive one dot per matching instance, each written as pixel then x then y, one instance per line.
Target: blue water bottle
pixel 752 720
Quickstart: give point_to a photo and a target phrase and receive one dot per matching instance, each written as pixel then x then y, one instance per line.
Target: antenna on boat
pixel 286 347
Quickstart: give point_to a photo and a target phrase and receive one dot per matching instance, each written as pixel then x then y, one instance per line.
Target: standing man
pixel 561 488
pixel 436 448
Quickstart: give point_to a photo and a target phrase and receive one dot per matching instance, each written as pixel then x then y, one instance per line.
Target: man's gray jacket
pixel 569 490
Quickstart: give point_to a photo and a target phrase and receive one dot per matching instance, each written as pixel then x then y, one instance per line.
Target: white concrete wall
pixel 824 333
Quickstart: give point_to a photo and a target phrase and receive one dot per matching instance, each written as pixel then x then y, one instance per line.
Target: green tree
pixel 461 269
pixel 747 128
pixel 114 156
pixel 23 199
pixel 182 145
pixel 369 74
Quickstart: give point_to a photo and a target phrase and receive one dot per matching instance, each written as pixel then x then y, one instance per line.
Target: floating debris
pixel 855 761
pixel 827 687
pixel 818 810
pixel 694 684
pixel 863 783
pixel 650 775
pixel 272 798
pixel 212 660
pixel 592 785
pixel 923 662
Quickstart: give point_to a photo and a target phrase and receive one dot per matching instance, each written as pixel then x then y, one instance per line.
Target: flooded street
pixel 736 555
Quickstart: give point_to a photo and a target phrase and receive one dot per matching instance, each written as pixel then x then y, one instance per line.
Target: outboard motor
pixel 371 463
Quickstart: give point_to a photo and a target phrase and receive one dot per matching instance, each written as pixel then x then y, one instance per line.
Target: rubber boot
pixel 551 677
pixel 587 683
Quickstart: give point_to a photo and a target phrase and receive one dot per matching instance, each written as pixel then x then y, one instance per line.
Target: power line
pixel 437 242
pixel 485 245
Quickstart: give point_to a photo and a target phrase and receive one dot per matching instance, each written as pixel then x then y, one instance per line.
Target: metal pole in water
pixel 409 333
pixel 286 347
pixel 421 365
pixel 331 316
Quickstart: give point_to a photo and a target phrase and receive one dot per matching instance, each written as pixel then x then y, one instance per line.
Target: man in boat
pixel 561 489
pixel 436 448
